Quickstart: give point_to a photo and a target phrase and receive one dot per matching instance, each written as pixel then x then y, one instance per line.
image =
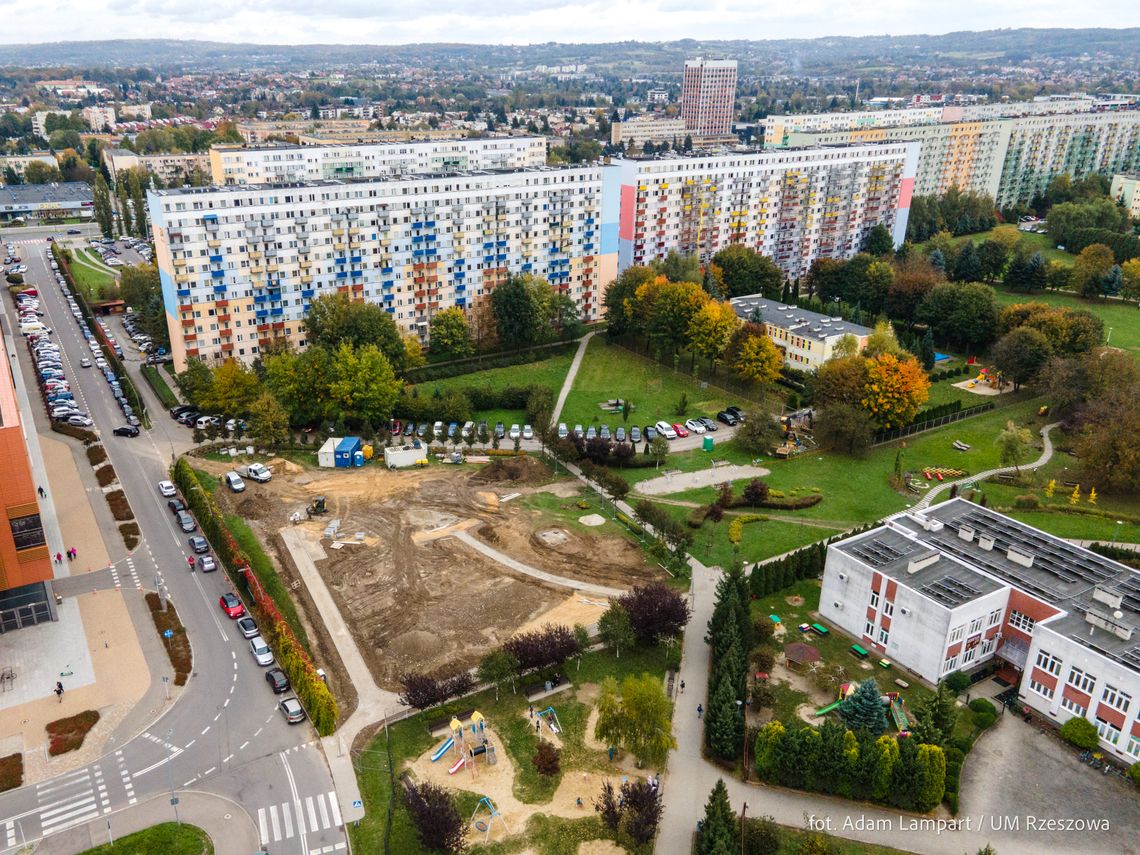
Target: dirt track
pixel 418 600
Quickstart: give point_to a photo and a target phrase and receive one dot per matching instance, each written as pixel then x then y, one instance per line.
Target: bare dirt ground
pixel 679 481
pixel 416 598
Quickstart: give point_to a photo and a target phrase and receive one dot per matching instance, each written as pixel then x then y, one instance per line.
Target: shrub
pixel 736 527
pixel 547 759
pixel 957 682
pixel 82 434
pixel 120 507
pixel 178 645
pixel 105 475
pixel 952 803
pixel 11 772
pixel 67 734
pixel 1080 732
pixel 1134 773
pixel 1027 502
pixel 983 705
pixel 985 720
pixel 130 535
pixel 96 454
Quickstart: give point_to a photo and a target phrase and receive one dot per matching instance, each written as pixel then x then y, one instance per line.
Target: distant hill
pixel 802 55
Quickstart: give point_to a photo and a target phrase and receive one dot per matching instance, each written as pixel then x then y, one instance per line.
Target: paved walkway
pixel 568 383
pixel 230 828
pixel 1046 455
pixel 374 704
pixel 541 575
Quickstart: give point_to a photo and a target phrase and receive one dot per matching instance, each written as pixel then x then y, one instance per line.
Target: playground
pixel 987 381
pixel 413 592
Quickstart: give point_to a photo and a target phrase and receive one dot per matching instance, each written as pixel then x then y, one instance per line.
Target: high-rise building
pixel 792 206
pixel 275 164
pixel 957 586
pixel 1007 151
pixel 1126 190
pixel 25 563
pixel 708 96
pixel 240 265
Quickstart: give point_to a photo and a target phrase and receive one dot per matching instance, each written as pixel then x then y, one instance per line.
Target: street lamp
pixel 170 775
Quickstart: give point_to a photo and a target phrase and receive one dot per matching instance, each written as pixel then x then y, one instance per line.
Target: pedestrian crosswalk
pixel 72 799
pixel 304 816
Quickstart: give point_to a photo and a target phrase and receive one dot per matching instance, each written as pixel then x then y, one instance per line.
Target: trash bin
pixel 548 686
pixel 707 444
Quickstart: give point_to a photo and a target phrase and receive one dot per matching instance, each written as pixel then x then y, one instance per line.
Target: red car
pixel 395 427
pixel 681 430
pixel 232 606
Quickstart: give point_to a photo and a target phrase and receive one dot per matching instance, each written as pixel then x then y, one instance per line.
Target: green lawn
pixel 93 282
pixel 506 718
pixel 944 392
pixel 162 390
pixel 168 838
pixel 609 371
pixel 1123 319
pixel 1035 243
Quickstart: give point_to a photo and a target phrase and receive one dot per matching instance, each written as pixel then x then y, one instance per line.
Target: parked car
pixel 80 421
pixel 262 655
pixel 292 710
pixel 176 505
pixel 709 424
pixel 604 431
pixel 680 430
pixel 736 411
pixel 635 434
pixel 199 544
pixel 234 482
pixel 578 432
pixel 619 434
pixel 695 426
pixel 231 605
pixel 258 472
pixel 515 433
pixel 247 627
pixel 207 564
pixel 186 522
pixel 277 681
pixel 725 417
pixel 665 429
pixel 500 430
pixel 528 432
pixel 591 432
pixel 563 431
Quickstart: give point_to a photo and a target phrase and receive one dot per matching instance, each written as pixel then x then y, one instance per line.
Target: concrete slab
pixel 46 653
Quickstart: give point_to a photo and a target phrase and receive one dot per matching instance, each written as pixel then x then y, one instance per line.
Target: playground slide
pixel 899 715
pixel 459 764
pixel 828 708
pixel 443 749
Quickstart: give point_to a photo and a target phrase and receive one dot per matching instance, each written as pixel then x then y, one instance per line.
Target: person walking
pixel 682 687
pixel 59 691
pixel 41 491
pixel 700 710
pixel 59 558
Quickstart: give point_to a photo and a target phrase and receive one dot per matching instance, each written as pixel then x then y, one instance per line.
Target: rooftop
pixel 1099 598
pixel 31 194
pixel 800 321
pixel 370 143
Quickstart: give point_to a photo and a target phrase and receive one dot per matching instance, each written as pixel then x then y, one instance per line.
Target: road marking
pixel 209 771
pixel 218 716
pixel 312 812
pixel 227 703
pixel 258 731
pixel 10 831
pixel 191 742
pixel 296 801
pixel 335 808
pixel 243 745
pixel 261 826
pixel 324 813
pixel 228 759
pixel 287 819
pixel 273 821
pixel 82 777
pixel 207 730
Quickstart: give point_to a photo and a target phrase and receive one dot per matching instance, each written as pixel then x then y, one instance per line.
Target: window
pixel 1133 749
pixel 1081 680
pixel 888 609
pixel 869 630
pixel 956 633
pixel 1048 662
pixel 1116 698
pixel 1108 731
pixel 950 664
pixel 1041 689
pixel 1073 707
pixel 874 599
pixel 1019 621
pixel 27 532
pixel 987 646
pixel 969 655
pixel 975 625
pixel 884 636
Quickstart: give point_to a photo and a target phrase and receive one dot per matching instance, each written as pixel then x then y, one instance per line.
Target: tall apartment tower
pixel 708 95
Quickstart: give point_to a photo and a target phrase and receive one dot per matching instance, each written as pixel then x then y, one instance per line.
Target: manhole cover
pixel 227 816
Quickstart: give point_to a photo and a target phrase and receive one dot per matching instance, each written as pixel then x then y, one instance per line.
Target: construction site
pixel 434 567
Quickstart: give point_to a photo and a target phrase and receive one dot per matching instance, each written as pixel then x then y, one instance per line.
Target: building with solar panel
pixel 958 585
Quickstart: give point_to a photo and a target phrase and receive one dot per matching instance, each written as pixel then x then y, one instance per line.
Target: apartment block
pixel 972 148
pixel 19 162
pixel 806 339
pixel 792 206
pixel 239 266
pixel 173 169
pixel 639 130
pixel 957 585
pixel 235 165
pixel 1126 190
pixel 708 96
pixel 25 563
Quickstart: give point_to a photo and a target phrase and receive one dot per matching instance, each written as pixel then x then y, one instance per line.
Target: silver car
pixel 261 652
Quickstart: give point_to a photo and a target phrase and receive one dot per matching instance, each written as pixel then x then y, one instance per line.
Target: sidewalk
pixel 568 383
pixel 72 501
pixel 373 703
pixel 230 828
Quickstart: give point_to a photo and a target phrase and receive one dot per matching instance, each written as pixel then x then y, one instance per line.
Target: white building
pixel 19 162
pixel 638 130
pixel 99 118
pixel 234 165
pixel 174 169
pixel 1126 190
pixel 806 339
pixel 708 96
pixel 954 586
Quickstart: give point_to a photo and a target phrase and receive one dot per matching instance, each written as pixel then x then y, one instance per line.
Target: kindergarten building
pixel 806 339
pixel 954 586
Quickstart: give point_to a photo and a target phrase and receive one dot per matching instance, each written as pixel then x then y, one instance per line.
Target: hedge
pixel 82 434
pixel 290 653
pixel 161 390
pixel 443 370
pixel 736 527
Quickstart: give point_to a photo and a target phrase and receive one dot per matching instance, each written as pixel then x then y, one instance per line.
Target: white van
pixel 203 422
pixel 34 327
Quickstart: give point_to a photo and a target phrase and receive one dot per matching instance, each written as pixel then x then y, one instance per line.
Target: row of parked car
pixel 12 262
pixel 731 417
pixel 456 432
pixel 231 603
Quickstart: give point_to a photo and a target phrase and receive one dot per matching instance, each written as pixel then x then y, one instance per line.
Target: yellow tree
pixel 753 357
pixel 1130 279
pixel 895 390
pixel 1092 496
pixel 1051 487
pixel 711 329
pixel 1076 495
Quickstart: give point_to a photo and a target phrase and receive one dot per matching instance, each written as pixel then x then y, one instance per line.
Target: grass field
pixel 92 279
pixel 161 389
pixel 1035 242
pixel 168 838
pixel 1123 319
pixel 608 372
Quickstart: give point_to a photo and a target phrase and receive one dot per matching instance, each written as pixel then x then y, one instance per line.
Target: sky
pixel 532 21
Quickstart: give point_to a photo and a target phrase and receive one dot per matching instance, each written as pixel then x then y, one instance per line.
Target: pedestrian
pixel 74 552
pixel 59 558
pixel 682 687
pixel 42 493
pixel 700 710
pixel 538 725
pixel 531 711
pixel 59 691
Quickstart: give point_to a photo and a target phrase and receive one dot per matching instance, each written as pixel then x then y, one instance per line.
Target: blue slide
pixel 443 749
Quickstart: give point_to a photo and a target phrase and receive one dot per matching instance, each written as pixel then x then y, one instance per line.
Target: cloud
pixel 533 21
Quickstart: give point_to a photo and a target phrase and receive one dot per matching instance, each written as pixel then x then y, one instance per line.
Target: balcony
pixel 213 244
pixel 181 262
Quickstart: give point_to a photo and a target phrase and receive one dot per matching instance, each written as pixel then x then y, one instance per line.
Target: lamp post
pixel 170 775
pixel 743 811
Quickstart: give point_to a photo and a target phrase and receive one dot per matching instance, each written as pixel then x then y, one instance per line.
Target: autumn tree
pixel 752 356
pixel 448 334
pixel 711 329
pixel 638 718
pixel 895 390
pixel 1021 354
pixel 667 309
pixel 363 383
pixel 841 381
pixel 437 821
pixel 620 298
pixel 1090 268
pixel 268 422
pixel 233 390
pixel 655 612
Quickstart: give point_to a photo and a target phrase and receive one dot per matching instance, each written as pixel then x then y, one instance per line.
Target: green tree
pixel 863 710
pixel 195 381
pixel 962 315
pixel 233 390
pixel 926 353
pixel 659 449
pixel 614 628
pixel 968 267
pixel 101 200
pixel 746 271
pixel 718 828
pixel 679 267
pixel 1013 445
pixel 845 427
pixel 1089 270
pixel 1021 354
pixel 268 422
pixel 62 138
pixel 883 340
pixel 879 242
pixel 724 723
pixel 38 172
pixel 930 764
pixel 363 384
pixel 620 300
pixel 449 335
pixel 516 315
pixel 1130 275
pixel 992 257
pixel 334 319
pixel 498 668
pixel 638 719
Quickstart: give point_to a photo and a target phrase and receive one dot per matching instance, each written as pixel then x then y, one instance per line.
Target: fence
pixel 930 424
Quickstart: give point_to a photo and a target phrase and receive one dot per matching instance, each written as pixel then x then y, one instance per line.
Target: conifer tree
pixel 864 709
pixel 718 827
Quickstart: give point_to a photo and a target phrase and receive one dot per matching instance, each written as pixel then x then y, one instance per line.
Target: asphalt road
pixel 224 735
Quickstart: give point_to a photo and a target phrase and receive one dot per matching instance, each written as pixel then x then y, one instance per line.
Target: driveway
pixel 1019 774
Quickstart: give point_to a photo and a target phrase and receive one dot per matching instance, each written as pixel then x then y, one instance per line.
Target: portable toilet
pixel 346 450
pixel 326 455
pixel 358 458
pixel 707 443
